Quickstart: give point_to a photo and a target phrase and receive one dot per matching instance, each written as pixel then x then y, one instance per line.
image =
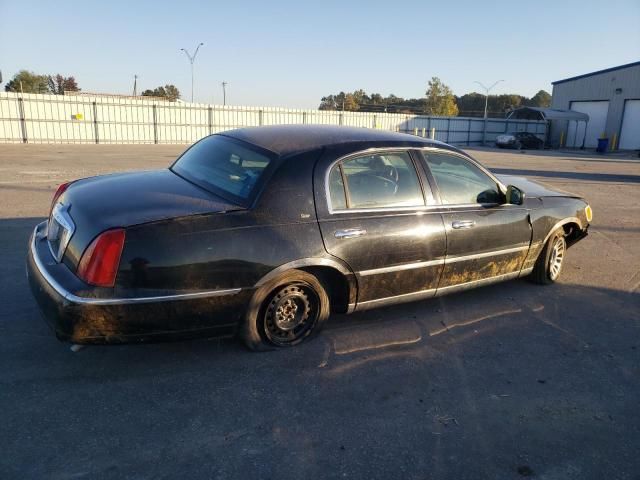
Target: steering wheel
pixel 389 183
pixel 390 172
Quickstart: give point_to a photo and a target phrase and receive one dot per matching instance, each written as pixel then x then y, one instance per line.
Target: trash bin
pixel 603 143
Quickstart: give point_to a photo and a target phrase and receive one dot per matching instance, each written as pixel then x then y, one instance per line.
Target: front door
pixel 486 239
pixel 373 214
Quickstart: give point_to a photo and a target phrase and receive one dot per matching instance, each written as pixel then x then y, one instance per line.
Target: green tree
pixel 377 99
pixel 342 101
pixel 328 103
pixel 541 99
pixel 471 104
pixel 59 84
pixel 501 104
pixel 27 82
pixel 440 100
pixel 170 92
pixel 351 103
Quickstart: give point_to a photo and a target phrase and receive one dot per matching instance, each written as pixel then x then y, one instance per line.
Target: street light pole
pixel 486 104
pixel 192 59
pixel 224 93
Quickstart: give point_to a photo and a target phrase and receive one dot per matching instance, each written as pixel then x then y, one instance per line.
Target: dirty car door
pixel 485 237
pixel 373 215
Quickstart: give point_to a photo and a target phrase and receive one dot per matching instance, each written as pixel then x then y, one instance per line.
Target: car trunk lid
pixel 99 203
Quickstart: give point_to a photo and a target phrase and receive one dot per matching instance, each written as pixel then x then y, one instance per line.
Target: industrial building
pixel 611 99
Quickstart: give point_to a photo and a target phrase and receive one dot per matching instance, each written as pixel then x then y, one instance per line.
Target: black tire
pixel 548 266
pixel 518 145
pixel 285 312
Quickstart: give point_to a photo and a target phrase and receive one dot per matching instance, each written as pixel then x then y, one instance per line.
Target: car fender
pixel 561 223
pixel 306 262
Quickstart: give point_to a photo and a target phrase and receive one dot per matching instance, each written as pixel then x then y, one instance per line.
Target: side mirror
pixel 514 195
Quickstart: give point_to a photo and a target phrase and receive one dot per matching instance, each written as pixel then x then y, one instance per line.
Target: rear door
pixel 375 213
pixel 486 239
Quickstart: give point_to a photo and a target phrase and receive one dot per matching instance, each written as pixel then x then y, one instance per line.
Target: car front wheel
pixel 285 312
pixel 548 267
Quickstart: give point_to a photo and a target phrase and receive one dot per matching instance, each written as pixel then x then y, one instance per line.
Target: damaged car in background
pixel 519 140
pixel 264 232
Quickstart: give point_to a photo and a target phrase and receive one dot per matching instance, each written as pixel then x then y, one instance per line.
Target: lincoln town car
pixel 264 232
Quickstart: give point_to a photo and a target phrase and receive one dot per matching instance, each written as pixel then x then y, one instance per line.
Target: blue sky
pixel 291 53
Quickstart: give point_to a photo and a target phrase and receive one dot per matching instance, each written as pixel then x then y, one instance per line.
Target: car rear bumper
pixel 81 314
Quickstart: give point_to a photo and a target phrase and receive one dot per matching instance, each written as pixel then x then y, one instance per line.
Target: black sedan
pixel 263 232
pixel 519 140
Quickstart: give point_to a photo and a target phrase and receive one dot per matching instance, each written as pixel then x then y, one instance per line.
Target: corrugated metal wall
pixel 615 86
pixel 31 118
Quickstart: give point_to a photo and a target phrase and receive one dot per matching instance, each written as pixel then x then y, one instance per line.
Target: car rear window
pixel 224 167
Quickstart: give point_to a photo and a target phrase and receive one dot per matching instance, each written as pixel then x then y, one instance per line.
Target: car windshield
pixel 223 167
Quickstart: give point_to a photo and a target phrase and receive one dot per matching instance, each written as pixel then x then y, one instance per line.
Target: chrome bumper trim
pixel 70 297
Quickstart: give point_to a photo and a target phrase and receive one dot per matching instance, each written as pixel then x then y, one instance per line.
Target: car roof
pixel 287 140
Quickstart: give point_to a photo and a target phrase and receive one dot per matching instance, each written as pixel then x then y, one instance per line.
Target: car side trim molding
pixel 405 297
pixel 437 292
pixel 492 253
pixel 483 281
pixel 440 261
pixel 404 266
pixel 70 297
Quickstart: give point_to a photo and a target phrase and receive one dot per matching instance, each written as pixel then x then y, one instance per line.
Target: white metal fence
pixel 32 118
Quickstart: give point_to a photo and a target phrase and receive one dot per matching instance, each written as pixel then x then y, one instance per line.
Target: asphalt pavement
pixel 509 381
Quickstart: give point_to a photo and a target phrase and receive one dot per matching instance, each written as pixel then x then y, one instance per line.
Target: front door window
pixel 460 182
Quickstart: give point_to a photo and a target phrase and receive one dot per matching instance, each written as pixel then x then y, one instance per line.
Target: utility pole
pixel 224 93
pixel 486 104
pixel 192 58
pixel 135 85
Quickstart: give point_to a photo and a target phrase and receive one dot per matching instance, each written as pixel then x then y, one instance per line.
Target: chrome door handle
pixel 350 233
pixel 463 224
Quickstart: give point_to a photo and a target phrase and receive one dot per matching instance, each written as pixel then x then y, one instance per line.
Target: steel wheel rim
pixel 291 314
pixel 557 256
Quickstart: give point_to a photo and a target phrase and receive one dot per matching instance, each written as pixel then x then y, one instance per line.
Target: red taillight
pixel 99 263
pixel 61 189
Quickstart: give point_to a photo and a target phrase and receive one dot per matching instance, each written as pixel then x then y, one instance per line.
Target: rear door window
pixel 375 181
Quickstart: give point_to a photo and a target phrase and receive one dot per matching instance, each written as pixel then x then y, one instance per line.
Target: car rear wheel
pixel 548 267
pixel 285 312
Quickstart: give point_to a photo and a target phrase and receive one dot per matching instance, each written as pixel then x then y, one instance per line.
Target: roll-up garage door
pixel 597 112
pixel 630 131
